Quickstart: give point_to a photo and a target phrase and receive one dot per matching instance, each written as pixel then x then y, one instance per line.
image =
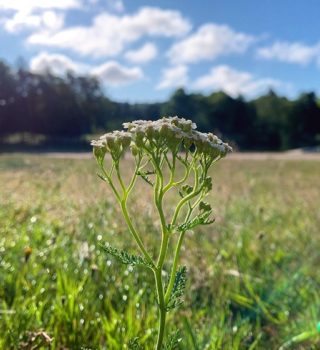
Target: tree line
pixel 73 106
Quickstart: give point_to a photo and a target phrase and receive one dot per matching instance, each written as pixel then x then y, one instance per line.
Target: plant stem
pixel 174 267
pixel 135 233
pixel 162 308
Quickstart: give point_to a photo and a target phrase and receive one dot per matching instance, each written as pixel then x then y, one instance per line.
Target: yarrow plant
pixel 159 148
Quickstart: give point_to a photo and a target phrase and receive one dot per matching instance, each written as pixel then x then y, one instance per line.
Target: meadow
pixel 253 275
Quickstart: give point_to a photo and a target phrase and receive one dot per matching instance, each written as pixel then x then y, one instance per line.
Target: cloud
pixel 235 82
pixel 56 64
pixel 47 20
pixel 109 34
pixel 28 6
pixel 116 5
pixel 110 72
pixel 290 52
pixel 209 42
pixel 173 77
pixel 144 54
pixel 115 74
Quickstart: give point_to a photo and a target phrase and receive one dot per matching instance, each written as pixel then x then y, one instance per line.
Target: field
pixel 253 276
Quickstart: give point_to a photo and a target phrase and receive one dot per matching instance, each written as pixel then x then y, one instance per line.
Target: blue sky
pixel 142 50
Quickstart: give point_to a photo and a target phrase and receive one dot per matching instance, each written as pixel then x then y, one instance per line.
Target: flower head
pixel 167 133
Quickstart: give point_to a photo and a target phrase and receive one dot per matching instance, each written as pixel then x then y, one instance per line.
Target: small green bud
pixel 207 184
pixel 164 131
pixel 139 139
pixel 187 189
pixel 134 150
pixel 99 153
pixel 150 132
pixel 204 206
pixel 125 141
pixel 111 142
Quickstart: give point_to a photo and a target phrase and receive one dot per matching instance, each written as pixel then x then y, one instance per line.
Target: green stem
pixel 187 198
pixel 135 233
pixel 174 267
pixel 162 309
pixel 163 249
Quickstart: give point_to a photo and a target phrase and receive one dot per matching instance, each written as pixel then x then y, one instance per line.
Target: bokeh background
pixel 73 68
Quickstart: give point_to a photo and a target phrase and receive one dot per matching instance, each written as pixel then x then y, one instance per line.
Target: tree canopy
pixel 73 106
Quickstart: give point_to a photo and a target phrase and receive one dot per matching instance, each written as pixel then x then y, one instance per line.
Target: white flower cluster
pixel 168 131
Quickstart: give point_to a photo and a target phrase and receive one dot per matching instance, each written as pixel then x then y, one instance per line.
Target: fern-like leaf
pixel 134 344
pixel 145 177
pixel 179 286
pixel 173 341
pixel 200 219
pixel 125 257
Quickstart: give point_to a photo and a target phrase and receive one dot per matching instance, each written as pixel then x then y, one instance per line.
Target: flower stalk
pixel 158 148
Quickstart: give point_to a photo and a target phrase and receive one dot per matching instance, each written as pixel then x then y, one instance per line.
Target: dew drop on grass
pixel 124 297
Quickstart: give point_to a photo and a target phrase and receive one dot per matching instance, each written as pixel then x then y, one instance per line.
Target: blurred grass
pixel 253 274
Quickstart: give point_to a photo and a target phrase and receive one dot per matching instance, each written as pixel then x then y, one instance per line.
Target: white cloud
pixel 28 6
pixel 174 77
pixel 290 52
pixel 56 64
pixel 235 82
pixel 115 74
pixel 110 72
pixel 47 20
pixel 210 41
pixel 116 5
pixel 109 34
pixel 144 54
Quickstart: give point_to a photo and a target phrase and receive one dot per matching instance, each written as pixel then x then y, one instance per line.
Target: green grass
pixel 254 279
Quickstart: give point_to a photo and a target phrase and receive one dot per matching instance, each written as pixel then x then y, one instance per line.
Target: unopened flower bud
pixel 150 132
pixel 99 153
pixel 204 206
pixel 126 140
pixel 187 189
pixel 110 142
pixel 134 150
pixel 208 183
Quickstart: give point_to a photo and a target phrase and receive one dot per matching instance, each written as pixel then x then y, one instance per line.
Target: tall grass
pixel 255 280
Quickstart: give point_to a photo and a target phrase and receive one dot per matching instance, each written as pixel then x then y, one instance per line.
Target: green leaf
pixel 102 177
pixel 173 341
pixel 178 289
pixel 125 257
pixel 144 176
pixel 200 219
pixel 134 344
